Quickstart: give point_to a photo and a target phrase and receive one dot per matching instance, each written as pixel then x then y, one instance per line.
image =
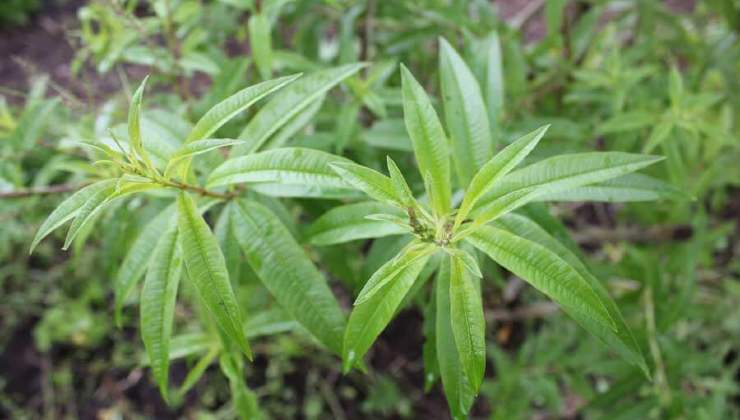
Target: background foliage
pixel 632 76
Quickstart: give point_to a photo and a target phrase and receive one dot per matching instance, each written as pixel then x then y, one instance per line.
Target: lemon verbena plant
pixel 467 209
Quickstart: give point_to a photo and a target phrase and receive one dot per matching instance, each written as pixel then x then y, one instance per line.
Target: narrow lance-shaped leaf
pixel 286 271
pixel 195 148
pixel 368 319
pixel 465 114
pixel 138 257
pixel 293 166
pixel 493 83
pixel 622 341
pixel 68 209
pixel 370 181
pixel 87 213
pixel 134 123
pixel 158 305
pixel 227 109
pixel 288 103
pixel 428 139
pixel 543 269
pixel 390 270
pixel 630 187
pixel 350 222
pixel 457 388
pixel 496 168
pixel 468 323
pixel 401 187
pixel 207 269
pixel 555 175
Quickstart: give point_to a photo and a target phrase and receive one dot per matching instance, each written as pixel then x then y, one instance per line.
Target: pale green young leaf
pixel 496 168
pixel 389 271
pixel 469 261
pixel 630 187
pixel 286 271
pixel 289 103
pixel 138 257
pixel 260 43
pixel 349 222
pixel 370 181
pixel 369 319
pixel 457 388
pixel 554 175
pixel 468 323
pixel 87 213
pixel 227 109
pixel 403 191
pixel 197 147
pixel 543 269
pixel 196 372
pixel 429 140
pixel 134 123
pixel 69 209
pixel 620 340
pixel 207 269
pixel 658 135
pixel 493 78
pixel 292 166
pixel 158 305
pixel 465 114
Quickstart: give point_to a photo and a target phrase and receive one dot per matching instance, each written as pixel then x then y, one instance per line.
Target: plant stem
pixel 196 189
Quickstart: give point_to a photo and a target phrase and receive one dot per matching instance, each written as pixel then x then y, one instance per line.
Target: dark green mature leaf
pixel 465 114
pixel 207 269
pixel 429 140
pixel 292 166
pixel 134 123
pixel 290 102
pixel 545 270
pixel 457 388
pixel 555 175
pixel 369 319
pixel 286 271
pixel 468 323
pixel 138 256
pixel 630 187
pixel 158 305
pixel 350 222
pixel 622 341
pixel 496 168
pixel 69 209
pixel 227 109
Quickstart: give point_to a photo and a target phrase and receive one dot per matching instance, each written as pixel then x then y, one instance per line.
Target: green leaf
pixel 286 271
pixel 69 209
pixel 243 399
pixel 227 109
pixel 411 253
pixel 292 166
pixel 370 181
pixel 158 305
pixel 429 140
pixel 207 269
pixel 349 222
pixel 543 269
pixel 465 114
pixel 620 340
pixel 138 257
pixel 401 187
pixel 197 147
pixel 496 168
pixel 369 319
pixel 260 43
pixel 289 103
pixel 554 175
pixel 88 212
pixel 627 121
pixel 134 123
pixel 457 388
pixel 493 79
pixel 630 187
pixel 468 323
pixel 658 135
